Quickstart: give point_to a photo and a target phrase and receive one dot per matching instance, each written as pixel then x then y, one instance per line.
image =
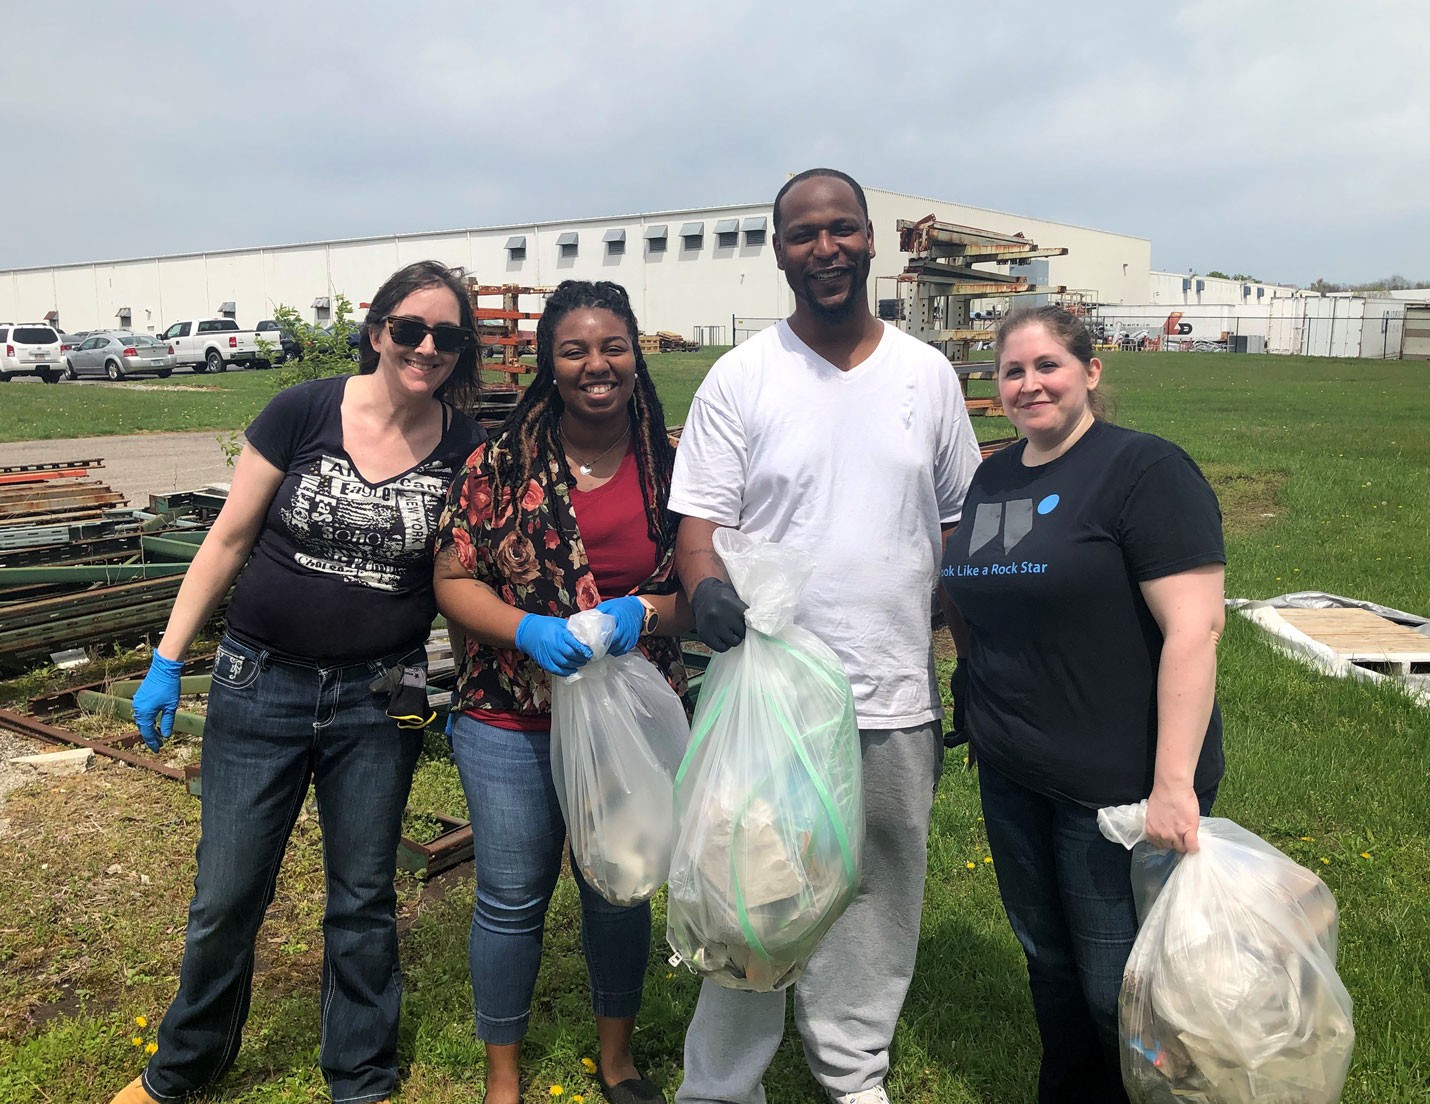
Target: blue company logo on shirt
pixel 1011 521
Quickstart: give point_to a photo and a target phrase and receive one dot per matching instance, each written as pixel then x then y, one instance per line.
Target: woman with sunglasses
pixel 319 678
pixel 564 510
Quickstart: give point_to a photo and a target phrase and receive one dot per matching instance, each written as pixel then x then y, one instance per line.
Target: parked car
pixel 354 338
pixel 211 344
pixel 70 341
pixel 285 345
pixel 30 349
pixel 119 353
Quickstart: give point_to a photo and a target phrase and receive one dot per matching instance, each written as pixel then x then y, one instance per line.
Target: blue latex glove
pixel 548 641
pixel 157 699
pixel 629 613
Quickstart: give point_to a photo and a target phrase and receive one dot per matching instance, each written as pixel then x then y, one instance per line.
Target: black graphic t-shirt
pixel 1045 568
pixel 342 570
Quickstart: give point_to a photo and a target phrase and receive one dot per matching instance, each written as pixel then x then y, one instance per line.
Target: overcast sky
pixel 1289 141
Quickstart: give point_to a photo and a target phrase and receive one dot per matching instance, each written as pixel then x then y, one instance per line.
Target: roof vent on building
pixel 692 233
pixel 228 307
pixel 52 316
pixel 322 302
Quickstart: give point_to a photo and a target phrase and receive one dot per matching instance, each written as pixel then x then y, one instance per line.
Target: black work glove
pixel 958 687
pixel 719 614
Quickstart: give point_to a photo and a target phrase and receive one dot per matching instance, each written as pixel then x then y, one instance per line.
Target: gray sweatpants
pixel 848 1001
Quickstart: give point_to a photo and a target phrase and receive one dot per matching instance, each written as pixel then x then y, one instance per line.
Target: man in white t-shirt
pixel 841 435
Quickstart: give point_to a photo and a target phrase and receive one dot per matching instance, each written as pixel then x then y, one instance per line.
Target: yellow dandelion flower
pixel 557 1090
pixel 578 1099
pixel 588 1065
pixel 969 865
pixel 135 1040
pixel 141 1021
pixel 1307 839
pixel 988 858
pixel 152 1048
pixel 1365 854
pixel 1325 860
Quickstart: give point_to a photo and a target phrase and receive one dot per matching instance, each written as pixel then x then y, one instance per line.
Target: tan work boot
pixel 134 1093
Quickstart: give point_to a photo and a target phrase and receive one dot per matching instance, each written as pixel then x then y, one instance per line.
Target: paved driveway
pixel 138 466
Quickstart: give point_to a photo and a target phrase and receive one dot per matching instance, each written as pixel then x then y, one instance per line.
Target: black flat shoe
pixel 633 1090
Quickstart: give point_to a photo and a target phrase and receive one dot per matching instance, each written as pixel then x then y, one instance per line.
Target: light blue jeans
pixel 519 836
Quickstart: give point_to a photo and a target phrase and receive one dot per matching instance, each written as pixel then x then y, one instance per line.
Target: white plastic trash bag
pixel 618 732
pixel 770 799
pixel 1230 995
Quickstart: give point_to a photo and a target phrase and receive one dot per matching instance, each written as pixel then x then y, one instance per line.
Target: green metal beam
pixel 107 705
pixel 171 546
pixel 189 684
pixel 87 573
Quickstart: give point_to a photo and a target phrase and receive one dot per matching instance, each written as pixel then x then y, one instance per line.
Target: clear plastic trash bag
pixel 618 733
pixel 770 799
pixel 1230 995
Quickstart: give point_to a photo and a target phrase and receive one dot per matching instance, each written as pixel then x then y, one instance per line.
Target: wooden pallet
pixel 650 343
pixel 1364 638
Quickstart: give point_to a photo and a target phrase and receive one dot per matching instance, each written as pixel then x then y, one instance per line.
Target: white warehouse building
pixel 704 273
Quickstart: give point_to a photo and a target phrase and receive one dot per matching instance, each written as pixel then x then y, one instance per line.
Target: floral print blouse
pixel 531 553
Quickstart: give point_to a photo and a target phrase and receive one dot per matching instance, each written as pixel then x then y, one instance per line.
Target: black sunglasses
pixel 411 332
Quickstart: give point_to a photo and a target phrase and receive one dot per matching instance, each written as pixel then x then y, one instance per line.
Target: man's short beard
pixel 837 314
pixel 845 310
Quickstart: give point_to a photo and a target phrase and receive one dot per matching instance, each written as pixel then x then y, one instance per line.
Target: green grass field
pixel 1323 468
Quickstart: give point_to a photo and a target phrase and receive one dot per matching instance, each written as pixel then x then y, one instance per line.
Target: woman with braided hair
pixel 565 510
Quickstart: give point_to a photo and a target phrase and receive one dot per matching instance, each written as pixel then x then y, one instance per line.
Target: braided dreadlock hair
pixel 531 427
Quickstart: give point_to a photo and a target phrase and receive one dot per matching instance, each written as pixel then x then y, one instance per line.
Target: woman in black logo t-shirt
pixel 328 530
pixel 1089 570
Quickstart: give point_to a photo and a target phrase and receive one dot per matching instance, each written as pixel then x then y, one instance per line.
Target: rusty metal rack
pixel 500 332
pixel 939 284
pixel 499 328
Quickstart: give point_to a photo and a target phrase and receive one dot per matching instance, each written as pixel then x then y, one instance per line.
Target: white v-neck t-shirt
pixel 858 468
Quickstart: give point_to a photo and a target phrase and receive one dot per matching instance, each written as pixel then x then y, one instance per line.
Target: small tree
pixel 322 353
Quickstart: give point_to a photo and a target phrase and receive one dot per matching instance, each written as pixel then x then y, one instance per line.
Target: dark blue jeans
pixel 272 727
pixel 1067 890
pixel 519 837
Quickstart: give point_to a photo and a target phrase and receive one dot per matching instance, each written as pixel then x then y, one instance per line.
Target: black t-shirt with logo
pixel 1045 567
pixel 342 570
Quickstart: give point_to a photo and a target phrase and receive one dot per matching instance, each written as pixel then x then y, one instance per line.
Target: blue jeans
pixel 272 727
pixel 519 836
pixel 1067 890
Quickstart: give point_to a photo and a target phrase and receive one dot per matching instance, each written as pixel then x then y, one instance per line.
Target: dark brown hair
pixel 1068 331
pixel 462 386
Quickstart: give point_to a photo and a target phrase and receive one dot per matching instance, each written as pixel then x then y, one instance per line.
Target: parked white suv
pixel 30 349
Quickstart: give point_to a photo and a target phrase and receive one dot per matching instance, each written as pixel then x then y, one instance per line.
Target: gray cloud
pixel 1286 140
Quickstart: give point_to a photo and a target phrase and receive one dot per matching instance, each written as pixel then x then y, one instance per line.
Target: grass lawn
pixel 181 403
pixel 1323 468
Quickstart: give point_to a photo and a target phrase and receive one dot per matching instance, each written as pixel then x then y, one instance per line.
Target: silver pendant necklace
pixel 584 467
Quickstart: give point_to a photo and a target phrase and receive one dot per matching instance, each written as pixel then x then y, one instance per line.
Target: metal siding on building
pixel 1415 339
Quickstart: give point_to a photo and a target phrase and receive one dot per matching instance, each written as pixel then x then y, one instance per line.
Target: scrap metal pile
pixel 79 567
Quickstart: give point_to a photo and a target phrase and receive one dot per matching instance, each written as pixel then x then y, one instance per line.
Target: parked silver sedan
pixel 117 354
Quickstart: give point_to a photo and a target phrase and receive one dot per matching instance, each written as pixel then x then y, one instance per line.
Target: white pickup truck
pixel 212 344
